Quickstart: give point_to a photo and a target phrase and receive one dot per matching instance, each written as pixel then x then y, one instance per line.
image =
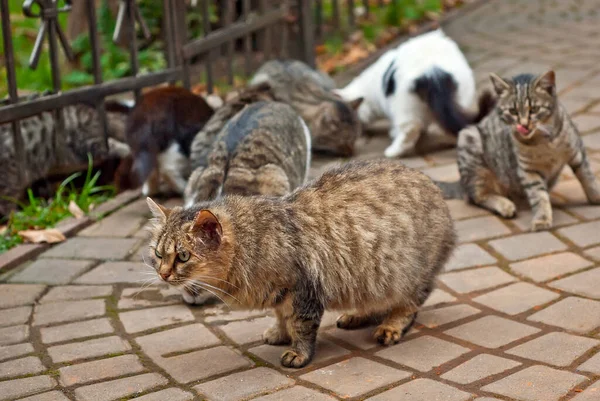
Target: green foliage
pixel 399 12
pixel 39 213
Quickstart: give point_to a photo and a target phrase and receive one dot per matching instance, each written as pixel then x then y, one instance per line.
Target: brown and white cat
pixel 367 237
pixel 333 123
pixel 520 149
pixel 160 131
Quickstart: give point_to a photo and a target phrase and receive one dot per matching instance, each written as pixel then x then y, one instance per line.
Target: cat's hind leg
pixel 406 135
pixel 581 167
pixel 395 325
pixel 353 321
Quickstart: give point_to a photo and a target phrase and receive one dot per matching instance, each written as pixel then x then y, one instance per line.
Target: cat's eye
pixel 183 256
pixel 157 253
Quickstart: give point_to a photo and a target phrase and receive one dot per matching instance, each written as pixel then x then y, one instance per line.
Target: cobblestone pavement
pixel 516 315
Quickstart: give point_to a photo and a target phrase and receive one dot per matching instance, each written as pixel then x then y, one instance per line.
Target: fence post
pixel 307 33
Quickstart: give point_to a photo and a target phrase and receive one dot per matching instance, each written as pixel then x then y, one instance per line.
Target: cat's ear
pixel 547 82
pixel 207 226
pixel 355 104
pixel 500 85
pixel 158 211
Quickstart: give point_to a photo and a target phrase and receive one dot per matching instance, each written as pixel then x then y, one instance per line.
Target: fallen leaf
pixel 3 229
pixel 50 235
pixel 320 49
pixel 75 210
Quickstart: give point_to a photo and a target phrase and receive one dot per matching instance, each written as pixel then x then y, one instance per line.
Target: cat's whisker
pixel 218 279
pixel 145 286
pixel 196 285
pixel 218 289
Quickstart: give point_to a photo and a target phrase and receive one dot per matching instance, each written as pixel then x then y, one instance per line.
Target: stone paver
pixel 516 298
pixel 115 389
pixel 460 209
pixel 244 385
pixel 576 314
pixel 591 365
pixel 476 279
pixel 181 339
pixel 423 353
pixel 170 394
pixel 141 320
pixel 438 297
pixel 98 370
pixel 568 346
pixel 355 376
pixel 326 350
pixel 88 349
pixel 480 228
pixel 92 248
pixel 15 350
pixel 133 298
pixel 249 331
pixel 559 219
pixel 12 295
pixel 586 284
pixel 423 390
pixel 527 245
pixel 469 255
pixel 592 393
pixel 14 334
pixel 297 393
pixel 582 234
pixel 441 316
pixel 479 367
pixel 52 271
pixel 76 293
pixel 13 389
pixel 545 268
pixel 536 383
pixel 20 367
pixel 72 331
pixel 20 315
pixel 117 272
pixel 49 396
pixel 505 331
pixel 58 312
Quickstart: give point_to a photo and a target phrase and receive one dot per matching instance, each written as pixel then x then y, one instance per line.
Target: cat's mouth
pixel 523 130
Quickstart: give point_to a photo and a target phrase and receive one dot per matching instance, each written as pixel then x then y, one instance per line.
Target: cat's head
pixel 189 248
pixel 336 127
pixel 526 103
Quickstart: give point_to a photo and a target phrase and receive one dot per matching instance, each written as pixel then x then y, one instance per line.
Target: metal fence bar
pixel 133 50
pixel 351 18
pixel 319 18
pixel 208 59
pixel 247 39
pixel 228 17
pixel 306 32
pixel 169 35
pixel 265 35
pixel 335 11
pixel 366 6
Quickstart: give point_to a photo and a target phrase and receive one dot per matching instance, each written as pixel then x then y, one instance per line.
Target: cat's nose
pixel 165 275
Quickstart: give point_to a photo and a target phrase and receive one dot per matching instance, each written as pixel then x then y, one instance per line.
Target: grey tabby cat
pixel 520 149
pixel 46 154
pixel 333 123
pixel 262 150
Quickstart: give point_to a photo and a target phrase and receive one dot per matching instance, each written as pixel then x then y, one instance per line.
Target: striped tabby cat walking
pixel 520 149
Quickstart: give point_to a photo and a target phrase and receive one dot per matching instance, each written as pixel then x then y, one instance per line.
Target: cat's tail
pixel 451 190
pixel 437 88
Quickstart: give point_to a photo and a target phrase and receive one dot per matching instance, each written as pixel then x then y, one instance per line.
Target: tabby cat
pixel 333 123
pixel 262 150
pixel 367 237
pixel 46 153
pixel 520 149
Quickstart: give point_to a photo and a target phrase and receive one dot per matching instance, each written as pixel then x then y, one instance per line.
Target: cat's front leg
pixel 405 137
pixel 536 189
pixel 581 167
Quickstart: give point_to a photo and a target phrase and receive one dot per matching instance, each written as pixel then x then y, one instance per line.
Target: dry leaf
pixel 3 229
pixel 75 210
pixel 320 49
pixel 50 235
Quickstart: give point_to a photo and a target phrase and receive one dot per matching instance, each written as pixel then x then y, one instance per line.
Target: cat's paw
pixel 274 336
pixel 506 208
pixel 294 359
pixel 387 335
pixel 393 151
pixel 541 223
pixel 348 321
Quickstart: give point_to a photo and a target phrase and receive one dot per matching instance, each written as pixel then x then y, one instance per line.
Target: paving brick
pixel 76 293
pixel 516 298
pixel 354 376
pixel 586 284
pixel 13 389
pixel 492 331
pixel 480 228
pixel 469 255
pixel 52 271
pixel 574 314
pixel 221 314
pixel 73 331
pixel 88 349
pixel 571 191
pixel 422 390
pixel 244 385
pixel 441 316
pixel 594 253
pixel 12 351
pixel 145 319
pixel 571 347
pixel 122 223
pixel 99 370
pixel 20 367
pixel 536 383
pixel 120 388
pixel 479 367
pixel 438 297
pixel 459 209
pixel 248 331
pixel 133 298
pixel 58 312
pixel 49 396
pixel 117 272
pixel 170 394
pixel 525 246
pixel 443 173
pixel 592 141
pixel 92 248
pixel 582 235
pixel 587 212
pixel 203 364
pixel 180 339
pixel 423 353
pixel 361 338
pixel 10 317
pixel 325 351
pixel 12 295
pixel 545 268
pixel 297 393
pixel 592 393
pixel 476 279
pixel 591 365
pixel 14 334
pixel 559 219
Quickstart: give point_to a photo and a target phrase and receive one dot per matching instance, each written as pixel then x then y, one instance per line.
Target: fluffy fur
pixel 424 84
pixel 367 237
pixel 520 149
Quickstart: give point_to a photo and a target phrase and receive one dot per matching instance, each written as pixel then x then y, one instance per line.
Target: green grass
pixel 39 213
